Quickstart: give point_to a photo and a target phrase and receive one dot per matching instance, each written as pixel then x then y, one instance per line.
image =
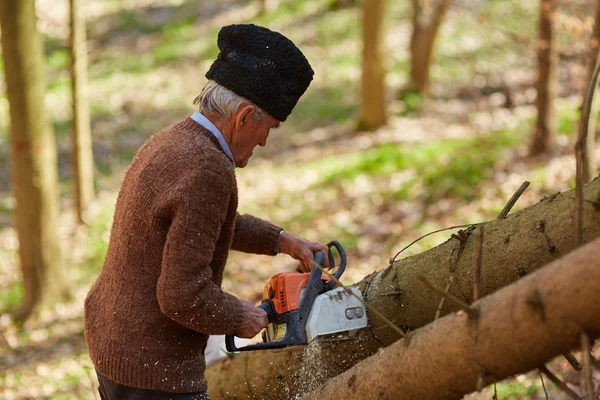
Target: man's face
pixel 250 133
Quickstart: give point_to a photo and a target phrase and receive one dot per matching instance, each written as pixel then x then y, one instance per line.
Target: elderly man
pixel 158 298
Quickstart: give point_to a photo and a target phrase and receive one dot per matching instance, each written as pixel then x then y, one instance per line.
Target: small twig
pixel 478 258
pixel 368 306
pixel 572 360
pixel 394 293
pixel 581 154
pixel 481 381
pixel 560 384
pixel 543 384
pixel 439 310
pixel 513 200
pixel 495 393
pixel 459 303
pixel 596 204
pixel 393 259
pixel 587 366
pixel 87 373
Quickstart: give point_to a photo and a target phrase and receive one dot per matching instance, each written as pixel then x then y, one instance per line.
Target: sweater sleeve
pixel 253 235
pixel 186 292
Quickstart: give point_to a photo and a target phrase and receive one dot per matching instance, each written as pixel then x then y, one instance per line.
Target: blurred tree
pixel 543 137
pixel 373 113
pixel 82 156
pixel 426 21
pixel 589 163
pixel 34 175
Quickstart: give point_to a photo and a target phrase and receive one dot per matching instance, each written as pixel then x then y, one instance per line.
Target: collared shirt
pixel 205 122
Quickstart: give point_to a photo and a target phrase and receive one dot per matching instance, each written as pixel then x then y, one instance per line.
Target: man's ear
pixel 243 116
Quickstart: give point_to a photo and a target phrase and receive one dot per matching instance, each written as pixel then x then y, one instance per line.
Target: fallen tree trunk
pixel 517 328
pixel 513 247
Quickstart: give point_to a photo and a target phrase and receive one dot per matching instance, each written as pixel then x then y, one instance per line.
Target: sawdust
pixel 313 370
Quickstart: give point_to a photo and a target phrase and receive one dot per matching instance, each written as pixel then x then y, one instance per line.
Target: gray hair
pixel 218 100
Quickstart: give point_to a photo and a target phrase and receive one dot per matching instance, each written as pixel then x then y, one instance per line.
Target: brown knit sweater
pixel 158 297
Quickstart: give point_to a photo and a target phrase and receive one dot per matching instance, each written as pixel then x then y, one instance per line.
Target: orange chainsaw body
pixel 284 290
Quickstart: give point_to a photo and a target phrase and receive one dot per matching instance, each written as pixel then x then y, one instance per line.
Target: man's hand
pixel 254 319
pixel 302 250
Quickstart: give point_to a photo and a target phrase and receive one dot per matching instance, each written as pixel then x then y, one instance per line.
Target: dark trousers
pixel 110 390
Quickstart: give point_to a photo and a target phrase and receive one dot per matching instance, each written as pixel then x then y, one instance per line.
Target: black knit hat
pixel 263 66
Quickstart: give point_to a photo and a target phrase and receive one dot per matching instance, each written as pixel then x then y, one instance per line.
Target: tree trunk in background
pixel 543 138
pixel 426 24
pixel 512 248
pixel 373 107
pixel 82 156
pixel 589 163
pixel 34 175
pixel 519 328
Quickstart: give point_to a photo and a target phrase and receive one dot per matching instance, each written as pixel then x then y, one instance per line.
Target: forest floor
pixel 456 161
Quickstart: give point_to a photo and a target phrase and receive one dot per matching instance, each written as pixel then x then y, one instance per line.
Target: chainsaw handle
pixel 341 267
pixel 278 344
pixel 267 306
pixel 318 256
pixel 295 333
pixel 342 253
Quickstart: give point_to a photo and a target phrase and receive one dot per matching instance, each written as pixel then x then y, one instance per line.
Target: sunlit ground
pixel 456 162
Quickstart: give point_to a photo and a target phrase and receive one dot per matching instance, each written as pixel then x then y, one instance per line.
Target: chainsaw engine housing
pixel 301 307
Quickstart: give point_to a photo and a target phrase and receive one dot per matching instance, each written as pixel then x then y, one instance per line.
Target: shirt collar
pixel 205 122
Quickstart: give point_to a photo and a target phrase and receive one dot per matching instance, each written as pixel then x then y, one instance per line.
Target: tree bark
pixel 543 137
pixel 33 153
pixel 518 328
pixel 81 136
pixel 422 42
pixel 373 108
pixel 589 163
pixel 512 248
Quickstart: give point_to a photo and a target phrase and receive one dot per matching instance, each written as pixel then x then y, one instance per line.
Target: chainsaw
pixel 301 307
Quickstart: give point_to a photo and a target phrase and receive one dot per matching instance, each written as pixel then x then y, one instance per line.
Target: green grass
pixel 320 107
pixel 331 28
pixel 284 11
pixel 58 59
pixel 515 390
pixel 100 109
pixel 61 127
pixel 449 167
pixel 129 21
pixel 567 117
pixel 481 40
pixel 129 64
pixel 61 86
pixel 174 38
pixel 464 165
pixel 412 101
pixel 5 207
pixel 16 377
pixel 97 244
pixel 567 121
pixel 10 296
